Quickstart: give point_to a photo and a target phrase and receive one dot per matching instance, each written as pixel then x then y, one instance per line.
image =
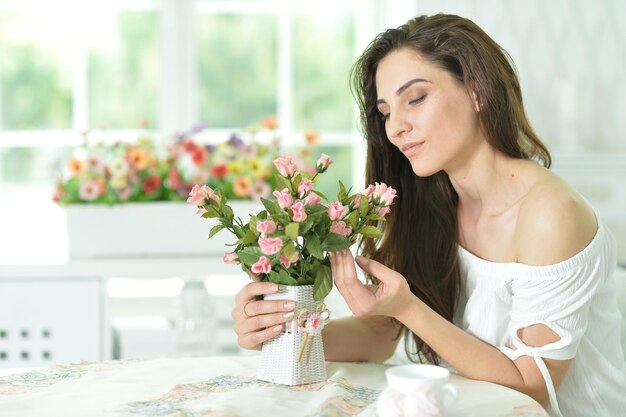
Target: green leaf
pixel 335 242
pixel 353 219
pixel 211 212
pixel 323 282
pixel 252 223
pixel 291 231
pixel 216 229
pixel 250 255
pixel 321 194
pixel 288 250
pixel 239 231
pixel 271 206
pixel 296 181
pixel 228 212
pixel 341 196
pixel 306 225
pixel 314 247
pixel 282 277
pixel 371 231
pixel 249 237
pixel 364 206
pixel 282 182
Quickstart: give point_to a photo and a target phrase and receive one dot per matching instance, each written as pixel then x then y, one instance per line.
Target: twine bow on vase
pixel 311 323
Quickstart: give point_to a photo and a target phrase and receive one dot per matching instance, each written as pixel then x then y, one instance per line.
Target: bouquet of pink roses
pixel 287 243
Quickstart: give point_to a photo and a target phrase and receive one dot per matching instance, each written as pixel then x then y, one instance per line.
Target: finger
pixel 260 307
pixel 258 323
pixel 256 339
pixel 374 268
pixel 254 289
pixel 350 287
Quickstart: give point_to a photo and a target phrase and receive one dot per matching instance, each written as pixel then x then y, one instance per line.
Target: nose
pixel 397 125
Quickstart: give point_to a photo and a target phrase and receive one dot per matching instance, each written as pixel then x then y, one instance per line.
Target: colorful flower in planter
pixel 288 242
pixel 147 170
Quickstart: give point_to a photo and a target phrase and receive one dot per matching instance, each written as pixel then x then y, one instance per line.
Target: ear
pixel 478 104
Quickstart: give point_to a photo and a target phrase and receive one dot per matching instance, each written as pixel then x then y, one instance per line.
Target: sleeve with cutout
pixel 558 296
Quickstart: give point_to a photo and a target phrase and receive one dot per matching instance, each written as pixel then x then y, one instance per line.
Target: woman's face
pixel 429 116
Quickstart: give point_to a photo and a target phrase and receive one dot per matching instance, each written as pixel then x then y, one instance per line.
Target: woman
pixel 489 261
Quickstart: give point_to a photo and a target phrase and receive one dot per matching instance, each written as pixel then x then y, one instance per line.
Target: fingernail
pixel 289 304
pixel 277 329
pixel 288 315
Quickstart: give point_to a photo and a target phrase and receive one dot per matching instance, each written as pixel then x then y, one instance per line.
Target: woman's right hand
pixel 257 320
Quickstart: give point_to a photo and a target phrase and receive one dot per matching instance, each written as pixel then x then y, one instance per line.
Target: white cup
pixel 408 379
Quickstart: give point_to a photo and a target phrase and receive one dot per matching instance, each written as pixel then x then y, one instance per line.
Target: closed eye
pixel 418 99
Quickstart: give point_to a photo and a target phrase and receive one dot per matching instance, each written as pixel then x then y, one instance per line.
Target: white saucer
pixel 459 411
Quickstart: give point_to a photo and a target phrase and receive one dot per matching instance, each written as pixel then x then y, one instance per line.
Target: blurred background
pixel 120 67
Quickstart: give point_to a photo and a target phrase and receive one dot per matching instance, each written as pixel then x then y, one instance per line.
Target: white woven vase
pixel 279 356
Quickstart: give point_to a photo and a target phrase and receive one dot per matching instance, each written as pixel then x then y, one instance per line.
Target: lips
pixel 411 147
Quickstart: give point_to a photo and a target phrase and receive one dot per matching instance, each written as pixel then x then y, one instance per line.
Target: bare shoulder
pixel 554 222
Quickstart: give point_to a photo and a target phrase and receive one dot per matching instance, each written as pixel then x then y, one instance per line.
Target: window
pixel 113 66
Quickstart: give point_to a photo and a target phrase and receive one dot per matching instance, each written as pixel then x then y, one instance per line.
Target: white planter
pixel 280 355
pixel 153 229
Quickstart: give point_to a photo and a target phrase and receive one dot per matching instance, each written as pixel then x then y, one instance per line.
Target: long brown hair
pixel 420 234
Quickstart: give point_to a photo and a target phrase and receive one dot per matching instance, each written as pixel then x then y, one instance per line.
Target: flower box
pixel 151 229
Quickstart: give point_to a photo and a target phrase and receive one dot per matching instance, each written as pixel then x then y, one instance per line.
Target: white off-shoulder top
pixel 576 299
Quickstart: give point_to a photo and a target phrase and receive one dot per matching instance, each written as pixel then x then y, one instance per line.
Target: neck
pixel 487 182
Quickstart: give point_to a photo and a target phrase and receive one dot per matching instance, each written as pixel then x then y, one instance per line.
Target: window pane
pixel 236 68
pixel 123 70
pixel 323 51
pixel 35 72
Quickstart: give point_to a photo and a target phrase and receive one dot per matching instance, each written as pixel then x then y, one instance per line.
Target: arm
pixel 475 359
pixel 360 339
pixel 553 228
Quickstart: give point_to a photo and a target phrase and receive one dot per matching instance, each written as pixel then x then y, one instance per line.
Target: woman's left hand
pixel 391 297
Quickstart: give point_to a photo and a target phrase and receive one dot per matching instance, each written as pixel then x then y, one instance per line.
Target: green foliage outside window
pixel 123 74
pixel 236 71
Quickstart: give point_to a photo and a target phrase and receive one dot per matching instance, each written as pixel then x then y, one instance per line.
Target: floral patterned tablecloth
pixel 222 387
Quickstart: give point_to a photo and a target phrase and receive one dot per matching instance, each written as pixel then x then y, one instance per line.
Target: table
pixel 222 387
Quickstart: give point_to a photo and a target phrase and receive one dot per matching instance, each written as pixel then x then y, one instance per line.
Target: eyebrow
pixel 404 87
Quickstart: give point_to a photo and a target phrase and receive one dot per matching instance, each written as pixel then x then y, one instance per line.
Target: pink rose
pixel 299 214
pixel 341 228
pixel 381 193
pixel 383 211
pixel 388 196
pixel 285 166
pixel 305 187
pixel 336 210
pixel 287 262
pixel 323 163
pixel 231 258
pixel 270 245
pixel 312 199
pixel 266 226
pixel 262 266
pixel 201 211
pixel 198 194
pixel 284 198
